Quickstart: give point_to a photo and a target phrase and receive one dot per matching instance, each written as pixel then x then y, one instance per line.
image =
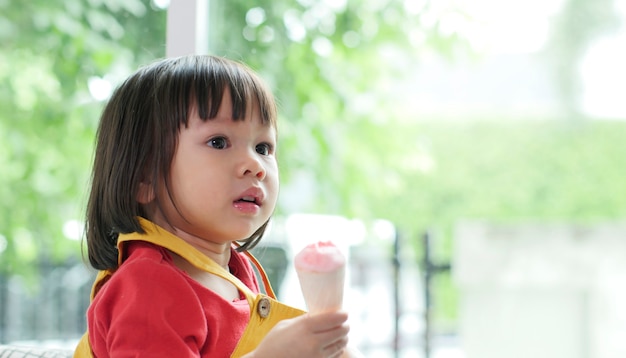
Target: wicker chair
pixel 14 351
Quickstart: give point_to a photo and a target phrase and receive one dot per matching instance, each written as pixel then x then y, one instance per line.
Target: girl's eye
pixel 264 149
pixel 218 143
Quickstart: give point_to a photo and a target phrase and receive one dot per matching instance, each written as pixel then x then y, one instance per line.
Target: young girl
pixel 184 181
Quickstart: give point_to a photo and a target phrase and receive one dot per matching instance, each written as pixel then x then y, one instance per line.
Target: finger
pixel 326 321
pixel 336 349
pixel 337 336
pixel 338 354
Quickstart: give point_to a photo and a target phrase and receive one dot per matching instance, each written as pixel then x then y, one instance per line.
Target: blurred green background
pixel 350 124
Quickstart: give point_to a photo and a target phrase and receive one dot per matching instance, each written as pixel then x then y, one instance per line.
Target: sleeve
pixel 147 310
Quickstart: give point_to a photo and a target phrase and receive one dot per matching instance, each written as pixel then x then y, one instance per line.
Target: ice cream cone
pixel 322 291
pixel 321 272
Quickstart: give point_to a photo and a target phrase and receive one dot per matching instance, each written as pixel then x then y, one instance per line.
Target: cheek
pixel 272 178
pixel 272 170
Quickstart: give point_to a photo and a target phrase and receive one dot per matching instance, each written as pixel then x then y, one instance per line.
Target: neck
pixel 217 251
pixel 220 253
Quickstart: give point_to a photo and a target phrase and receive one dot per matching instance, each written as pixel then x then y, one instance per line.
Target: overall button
pixel 264 307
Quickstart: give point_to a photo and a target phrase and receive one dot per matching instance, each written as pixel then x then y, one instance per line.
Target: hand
pixel 323 335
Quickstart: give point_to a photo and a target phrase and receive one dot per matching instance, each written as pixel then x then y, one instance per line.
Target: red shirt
pixel 150 308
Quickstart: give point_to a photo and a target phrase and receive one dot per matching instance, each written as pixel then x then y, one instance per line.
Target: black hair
pixel 138 134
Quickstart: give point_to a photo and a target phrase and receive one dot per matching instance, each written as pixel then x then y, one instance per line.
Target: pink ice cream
pixel 321 271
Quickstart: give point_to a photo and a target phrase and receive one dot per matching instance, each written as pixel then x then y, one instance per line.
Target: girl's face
pixel 224 178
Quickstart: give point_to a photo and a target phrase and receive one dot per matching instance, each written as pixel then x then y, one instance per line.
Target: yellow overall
pixel 265 310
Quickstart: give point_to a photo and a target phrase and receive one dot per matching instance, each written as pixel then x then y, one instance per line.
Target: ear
pixel 145 194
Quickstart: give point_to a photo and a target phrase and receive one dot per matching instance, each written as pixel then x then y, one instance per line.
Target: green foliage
pixel 437 172
pixel 47 117
pixel 547 170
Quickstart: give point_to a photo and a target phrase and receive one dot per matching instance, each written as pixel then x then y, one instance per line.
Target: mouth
pixel 253 195
pixel 249 199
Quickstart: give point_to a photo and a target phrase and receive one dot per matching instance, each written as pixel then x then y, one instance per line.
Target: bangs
pixel 205 80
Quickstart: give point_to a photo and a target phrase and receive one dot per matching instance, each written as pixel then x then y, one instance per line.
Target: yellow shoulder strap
pixel 266 282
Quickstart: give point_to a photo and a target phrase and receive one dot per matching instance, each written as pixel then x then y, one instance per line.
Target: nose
pixel 252 165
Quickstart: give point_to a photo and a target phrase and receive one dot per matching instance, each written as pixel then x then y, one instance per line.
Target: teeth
pixel 248 198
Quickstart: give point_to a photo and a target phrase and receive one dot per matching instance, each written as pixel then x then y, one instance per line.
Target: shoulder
pixel 142 259
pixel 147 272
